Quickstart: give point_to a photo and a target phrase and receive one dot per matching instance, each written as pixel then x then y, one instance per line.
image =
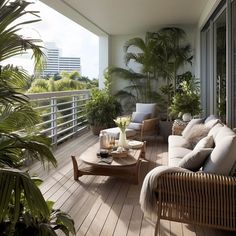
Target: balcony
pixel 103 205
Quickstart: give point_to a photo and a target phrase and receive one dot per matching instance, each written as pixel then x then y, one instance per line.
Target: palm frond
pixel 12 44
pixel 17 118
pixel 124 73
pixel 18 182
pixel 136 42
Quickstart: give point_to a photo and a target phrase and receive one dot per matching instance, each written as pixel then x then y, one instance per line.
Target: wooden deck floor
pixel 106 205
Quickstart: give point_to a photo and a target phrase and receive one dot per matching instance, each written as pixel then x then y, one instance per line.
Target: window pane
pixel 220 77
pixel 234 62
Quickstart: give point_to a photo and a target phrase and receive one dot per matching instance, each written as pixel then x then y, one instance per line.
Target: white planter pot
pixel 186 117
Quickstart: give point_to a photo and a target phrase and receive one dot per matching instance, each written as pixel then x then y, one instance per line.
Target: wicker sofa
pixel 206 197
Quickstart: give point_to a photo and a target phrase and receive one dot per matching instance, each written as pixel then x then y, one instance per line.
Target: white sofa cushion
pixel 176 154
pixel 223 157
pixel 214 131
pixel 223 132
pixel 211 123
pixel 177 141
pixel 206 142
pixel 190 125
pixel 194 160
pixel 210 117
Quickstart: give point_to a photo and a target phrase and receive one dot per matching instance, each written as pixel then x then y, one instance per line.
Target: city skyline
pixel 71 38
pixel 56 63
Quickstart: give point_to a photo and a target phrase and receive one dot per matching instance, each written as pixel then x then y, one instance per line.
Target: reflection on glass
pixel 220 27
pixel 234 60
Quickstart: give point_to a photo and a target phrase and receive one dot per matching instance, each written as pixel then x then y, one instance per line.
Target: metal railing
pixel 62 113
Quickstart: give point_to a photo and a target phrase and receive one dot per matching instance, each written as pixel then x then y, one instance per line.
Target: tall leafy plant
pixel 23 210
pixel 160 55
pixel 140 88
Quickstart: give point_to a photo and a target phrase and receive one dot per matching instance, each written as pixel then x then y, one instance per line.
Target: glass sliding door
pixel 220 65
pixel 233 68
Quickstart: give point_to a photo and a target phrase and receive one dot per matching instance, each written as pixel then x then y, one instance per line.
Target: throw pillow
pixel 222 159
pixel 214 131
pixel 206 142
pixel 210 117
pixel 210 124
pixel 195 159
pixel 139 117
pixel 196 133
pixel 190 125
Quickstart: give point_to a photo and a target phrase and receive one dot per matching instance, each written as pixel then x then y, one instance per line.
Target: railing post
pixel 74 113
pixel 54 120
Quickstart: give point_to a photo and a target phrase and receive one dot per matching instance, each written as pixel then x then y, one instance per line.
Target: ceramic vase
pixel 122 142
pixel 186 117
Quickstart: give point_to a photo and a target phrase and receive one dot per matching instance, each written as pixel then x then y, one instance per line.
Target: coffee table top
pixel 90 157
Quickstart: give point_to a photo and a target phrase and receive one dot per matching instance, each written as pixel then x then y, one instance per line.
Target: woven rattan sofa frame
pixel 197 198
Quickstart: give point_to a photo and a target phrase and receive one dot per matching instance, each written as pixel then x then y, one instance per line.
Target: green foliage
pixel 42 85
pixel 160 55
pixel 102 109
pixel 23 210
pixel 186 99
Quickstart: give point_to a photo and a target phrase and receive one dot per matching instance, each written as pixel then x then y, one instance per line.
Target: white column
pixel 103 58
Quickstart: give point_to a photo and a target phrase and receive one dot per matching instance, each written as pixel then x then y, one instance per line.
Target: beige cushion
pixel 135 126
pixel 178 141
pixel 176 154
pixel 190 125
pixel 206 142
pixel 195 159
pixel 211 123
pixel 223 132
pixel 196 133
pixel 210 117
pixel 214 131
pixel 223 157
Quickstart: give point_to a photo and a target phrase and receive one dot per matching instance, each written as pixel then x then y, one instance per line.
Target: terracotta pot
pixel 96 129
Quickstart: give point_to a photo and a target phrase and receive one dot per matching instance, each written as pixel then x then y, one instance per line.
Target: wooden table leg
pixel 77 174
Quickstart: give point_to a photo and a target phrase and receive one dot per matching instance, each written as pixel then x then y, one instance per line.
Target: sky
pixel 72 39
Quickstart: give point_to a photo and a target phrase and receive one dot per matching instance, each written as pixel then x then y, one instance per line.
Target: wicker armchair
pixel 148 125
pixel 197 198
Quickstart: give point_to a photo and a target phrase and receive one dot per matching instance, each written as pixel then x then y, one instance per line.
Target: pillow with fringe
pixel 196 133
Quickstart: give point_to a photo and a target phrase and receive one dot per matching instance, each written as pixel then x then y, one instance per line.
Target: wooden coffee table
pixel 124 167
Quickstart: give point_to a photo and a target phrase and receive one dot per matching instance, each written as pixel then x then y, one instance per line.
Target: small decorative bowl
pixel 104 153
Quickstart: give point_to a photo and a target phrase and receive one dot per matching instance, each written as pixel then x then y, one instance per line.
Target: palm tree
pixel 23 208
pixel 172 52
pixel 140 88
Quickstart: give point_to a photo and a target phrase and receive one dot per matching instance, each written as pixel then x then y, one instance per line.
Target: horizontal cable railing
pixel 62 113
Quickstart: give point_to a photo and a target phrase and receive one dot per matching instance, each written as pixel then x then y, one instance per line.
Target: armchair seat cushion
pixel 135 126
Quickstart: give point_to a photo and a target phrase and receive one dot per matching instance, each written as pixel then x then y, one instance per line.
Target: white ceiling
pixel 134 16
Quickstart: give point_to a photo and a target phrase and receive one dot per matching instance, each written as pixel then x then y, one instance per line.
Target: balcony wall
pixel 117 52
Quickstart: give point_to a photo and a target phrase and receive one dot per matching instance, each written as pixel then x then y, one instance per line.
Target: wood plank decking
pixel 106 205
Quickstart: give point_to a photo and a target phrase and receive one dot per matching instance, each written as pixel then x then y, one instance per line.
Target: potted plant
pixel 23 210
pixel 186 101
pixel 101 110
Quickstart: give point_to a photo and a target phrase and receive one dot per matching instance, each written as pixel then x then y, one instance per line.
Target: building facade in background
pixel 55 64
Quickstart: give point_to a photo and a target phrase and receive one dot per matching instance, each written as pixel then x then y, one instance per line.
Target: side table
pixel 178 126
